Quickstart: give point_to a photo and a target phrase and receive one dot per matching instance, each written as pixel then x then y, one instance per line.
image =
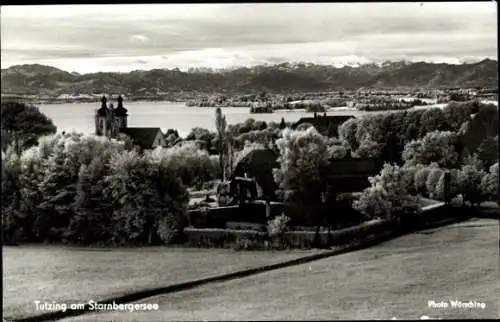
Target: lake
pixel 165 115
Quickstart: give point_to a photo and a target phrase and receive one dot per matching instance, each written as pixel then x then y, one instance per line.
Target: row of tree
pixel 85 189
pixel 388 133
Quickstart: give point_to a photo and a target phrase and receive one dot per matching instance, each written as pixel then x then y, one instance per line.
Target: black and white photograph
pixel 250 161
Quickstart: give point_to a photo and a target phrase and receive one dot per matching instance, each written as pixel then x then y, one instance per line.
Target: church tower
pixel 101 118
pixel 120 115
pixel 110 121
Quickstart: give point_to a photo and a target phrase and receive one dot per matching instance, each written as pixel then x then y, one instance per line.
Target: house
pixel 350 174
pixel 112 122
pixel 257 164
pixel 145 137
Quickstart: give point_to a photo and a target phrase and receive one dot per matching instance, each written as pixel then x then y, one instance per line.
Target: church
pixel 111 122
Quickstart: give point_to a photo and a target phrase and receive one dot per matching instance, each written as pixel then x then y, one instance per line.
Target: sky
pixel 121 38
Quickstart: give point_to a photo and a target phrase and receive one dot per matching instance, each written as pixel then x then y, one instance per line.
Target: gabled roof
pixel 320 119
pixel 259 164
pixel 142 136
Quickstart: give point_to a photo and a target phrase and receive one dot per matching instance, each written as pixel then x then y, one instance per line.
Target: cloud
pixel 107 36
pixel 139 39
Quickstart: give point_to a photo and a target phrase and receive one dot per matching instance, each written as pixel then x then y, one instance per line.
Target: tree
pixel 469 182
pixel 202 135
pixel 374 203
pixel 409 174
pixel 432 119
pixel 479 126
pixel 32 174
pixel 259 125
pixel 368 148
pixel 91 222
pixel 433 147
pixel 173 202
pixel 262 137
pixel 247 126
pixel 421 176
pixel 24 124
pixel 489 183
pixel 337 151
pixel 220 125
pixel 135 199
pixel 303 157
pixel 13 219
pixel 193 165
pixel 58 189
pixel 347 131
pixel 387 194
pixel 432 182
pixel 439 193
pixel 456 113
pixel 488 151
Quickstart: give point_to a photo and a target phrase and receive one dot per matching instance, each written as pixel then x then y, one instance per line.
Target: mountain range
pixel 38 79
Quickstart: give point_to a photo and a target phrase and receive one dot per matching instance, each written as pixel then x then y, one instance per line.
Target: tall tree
pixel 12 216
pixel 23 124
pixel 220 125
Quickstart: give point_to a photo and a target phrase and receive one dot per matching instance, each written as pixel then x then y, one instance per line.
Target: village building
pixel 111 122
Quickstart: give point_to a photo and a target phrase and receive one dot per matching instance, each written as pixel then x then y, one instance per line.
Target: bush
pixel 489 183
pixel 224 238
pixel 338 148
pixel 374 203
pixel 387 195
pixel 409 174
pixel 432 182
pixel 223 192
pixel 420 179
pixel 194 166
pixel 439 193
pixel 469 182
pixel 277 226
pixel 245 243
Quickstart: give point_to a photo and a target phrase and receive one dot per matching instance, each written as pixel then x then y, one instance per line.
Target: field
pixel 71 275
pixel 395 279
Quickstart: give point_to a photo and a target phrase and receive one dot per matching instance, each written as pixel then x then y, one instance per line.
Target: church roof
pixel 322 120
pixel 142 136
pixel 102 111
pixel 120 110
